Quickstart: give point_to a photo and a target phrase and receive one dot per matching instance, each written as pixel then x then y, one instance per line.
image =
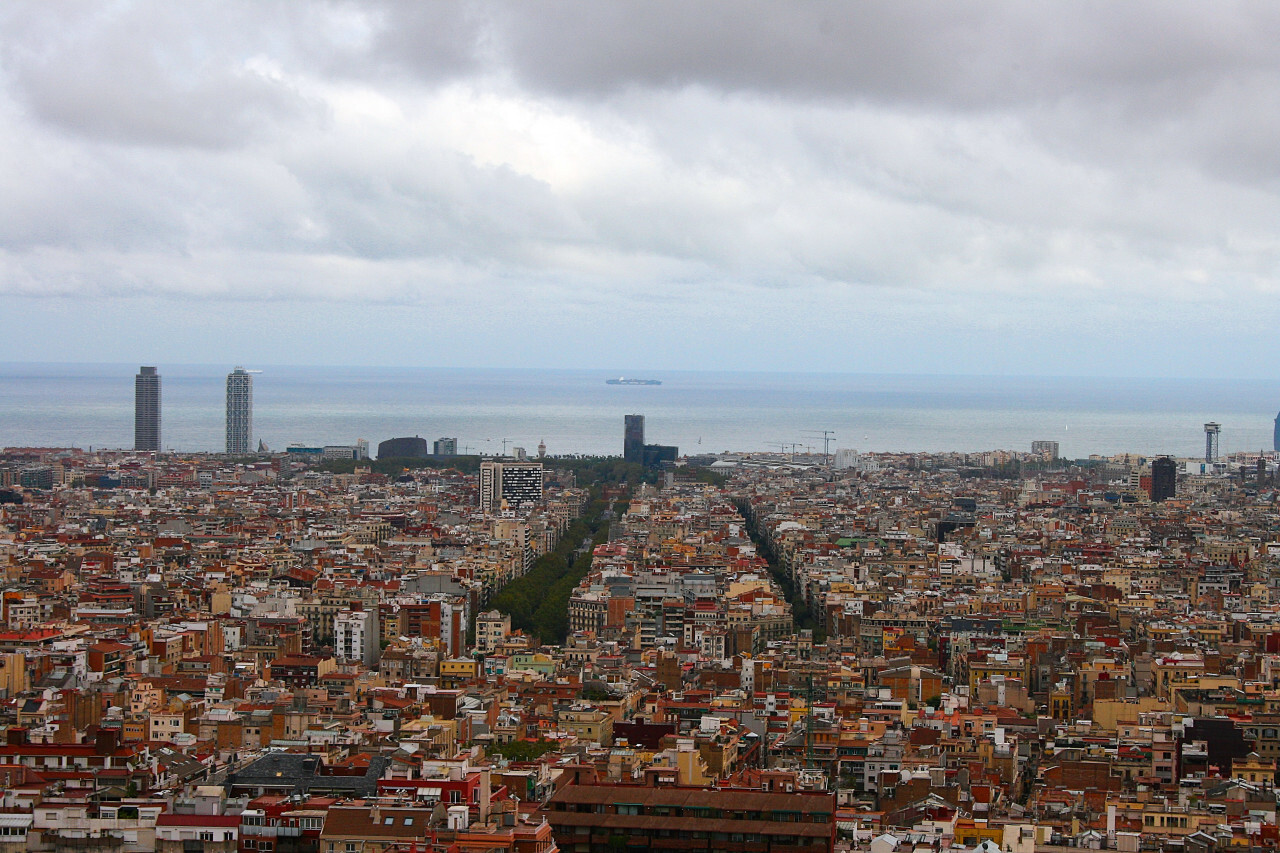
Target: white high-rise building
pixel 849 459
pixel 355 636
pixel 516 483
pixel 239 411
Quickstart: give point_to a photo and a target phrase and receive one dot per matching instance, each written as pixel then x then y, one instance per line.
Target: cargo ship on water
pixel 622 380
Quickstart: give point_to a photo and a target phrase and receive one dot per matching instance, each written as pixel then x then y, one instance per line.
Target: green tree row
pixel 538 601
pixel 800 612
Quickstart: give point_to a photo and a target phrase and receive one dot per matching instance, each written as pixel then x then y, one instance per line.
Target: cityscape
pixel 403 646
pixel 586 426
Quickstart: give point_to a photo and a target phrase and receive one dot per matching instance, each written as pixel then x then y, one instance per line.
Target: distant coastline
pixel 574 411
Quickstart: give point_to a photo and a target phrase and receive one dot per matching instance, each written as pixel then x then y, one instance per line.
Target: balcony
pixel 107 841
pixel 270 831
pixel 97 824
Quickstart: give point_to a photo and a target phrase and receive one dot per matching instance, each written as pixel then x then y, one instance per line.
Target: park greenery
pixel 538 601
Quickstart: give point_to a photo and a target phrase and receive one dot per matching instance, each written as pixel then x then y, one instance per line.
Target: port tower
pixel 1211 431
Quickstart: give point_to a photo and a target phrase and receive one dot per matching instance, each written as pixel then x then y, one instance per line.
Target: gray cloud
pixel 1159 56
pixel 147 74
pixel 817 165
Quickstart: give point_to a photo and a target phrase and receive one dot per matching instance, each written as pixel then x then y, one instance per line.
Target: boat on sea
pixel 622 380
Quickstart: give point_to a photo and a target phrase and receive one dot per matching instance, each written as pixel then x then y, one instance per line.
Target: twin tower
pixel 146 411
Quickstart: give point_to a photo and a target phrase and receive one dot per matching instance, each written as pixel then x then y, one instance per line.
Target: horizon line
pixel 638 371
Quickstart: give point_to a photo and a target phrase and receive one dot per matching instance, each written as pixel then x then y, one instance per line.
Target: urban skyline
pixel 474 445
pixel 495 491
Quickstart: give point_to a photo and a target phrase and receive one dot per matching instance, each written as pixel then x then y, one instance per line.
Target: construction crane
pixel 827 436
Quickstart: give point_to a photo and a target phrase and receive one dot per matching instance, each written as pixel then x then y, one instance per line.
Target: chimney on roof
pixel 106 741
pixel 486 792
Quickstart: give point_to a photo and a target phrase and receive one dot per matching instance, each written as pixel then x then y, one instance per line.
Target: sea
pixel 491 411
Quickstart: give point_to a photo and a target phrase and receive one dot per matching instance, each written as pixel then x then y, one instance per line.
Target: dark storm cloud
pixel 956 55
pixel 1112 82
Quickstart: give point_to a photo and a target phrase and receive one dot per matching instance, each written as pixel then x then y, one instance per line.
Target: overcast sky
pixel 1075 188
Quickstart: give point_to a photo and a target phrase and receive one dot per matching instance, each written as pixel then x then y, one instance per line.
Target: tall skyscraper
pixel 1275 438
pixel 633 439
pixel 239 411
pixel 146 410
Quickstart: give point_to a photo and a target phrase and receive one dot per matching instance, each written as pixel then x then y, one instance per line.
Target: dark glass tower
pixel 633 439
pixel 1164 479
pixel 146 410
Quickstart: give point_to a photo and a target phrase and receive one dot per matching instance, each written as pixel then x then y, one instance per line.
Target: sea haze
pixel 574 411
